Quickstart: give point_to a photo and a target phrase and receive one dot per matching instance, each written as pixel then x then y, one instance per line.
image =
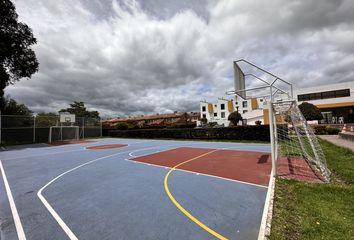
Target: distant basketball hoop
pixel 66 117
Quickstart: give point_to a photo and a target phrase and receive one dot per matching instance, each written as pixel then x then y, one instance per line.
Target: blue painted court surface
pixel 70 192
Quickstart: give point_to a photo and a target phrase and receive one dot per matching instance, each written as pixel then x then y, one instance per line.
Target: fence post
pixel 34 129
pixel 0 129
pixel 83 128
pixel 101 127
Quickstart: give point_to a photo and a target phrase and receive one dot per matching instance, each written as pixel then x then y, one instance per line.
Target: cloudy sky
pixel 154 56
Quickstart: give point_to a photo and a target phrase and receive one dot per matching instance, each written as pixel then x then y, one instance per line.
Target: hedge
pixel 325 130
pixel 259 133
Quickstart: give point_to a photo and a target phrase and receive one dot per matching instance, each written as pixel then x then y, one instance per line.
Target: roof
pixel 146 117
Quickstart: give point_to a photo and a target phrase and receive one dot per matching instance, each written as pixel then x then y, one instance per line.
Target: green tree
pixel 235 117
pixel 122 126
pixel 79 109
pixel 17 59
pixel 310 111
pixel 16 115
pixel 204 120
pixel 46 119
pixel 11 107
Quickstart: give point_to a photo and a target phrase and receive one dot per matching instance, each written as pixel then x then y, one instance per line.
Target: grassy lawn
pixel 317 210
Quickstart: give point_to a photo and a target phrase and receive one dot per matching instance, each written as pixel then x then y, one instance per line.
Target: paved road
pixel 338 141
pixel 107 197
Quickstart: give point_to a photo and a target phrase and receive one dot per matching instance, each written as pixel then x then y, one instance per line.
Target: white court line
pixel 51 210
pixel 203 174
pixel 56 216
pixel 53 153
pixel 19 229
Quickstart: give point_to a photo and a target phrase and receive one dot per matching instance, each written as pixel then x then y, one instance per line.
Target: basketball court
pixel 134 189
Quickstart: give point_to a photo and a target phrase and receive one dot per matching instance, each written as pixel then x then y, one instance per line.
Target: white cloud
pixel 133 60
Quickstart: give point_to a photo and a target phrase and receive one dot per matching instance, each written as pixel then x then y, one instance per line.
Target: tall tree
pixel 11 107
pixel 79 109
pixel 17 59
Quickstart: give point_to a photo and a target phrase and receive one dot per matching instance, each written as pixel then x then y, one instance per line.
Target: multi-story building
pixel 217 112
pixel 336 102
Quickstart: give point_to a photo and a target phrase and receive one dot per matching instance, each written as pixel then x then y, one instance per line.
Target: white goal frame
pixel 77 132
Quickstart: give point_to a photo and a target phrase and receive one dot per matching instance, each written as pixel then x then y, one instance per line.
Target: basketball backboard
pixel 239 80
pixel 67 117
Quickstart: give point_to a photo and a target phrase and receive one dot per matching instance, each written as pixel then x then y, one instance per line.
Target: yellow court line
pixel 179 206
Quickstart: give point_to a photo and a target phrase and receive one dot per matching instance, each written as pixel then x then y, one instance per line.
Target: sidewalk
pixel 338 141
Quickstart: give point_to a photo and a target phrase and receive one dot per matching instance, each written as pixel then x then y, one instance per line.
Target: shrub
pixel 310 111
pixel 332 131
pixel 325 130
pixel 320 130
pixel 258 122
pixel 260 133
pixel 122 126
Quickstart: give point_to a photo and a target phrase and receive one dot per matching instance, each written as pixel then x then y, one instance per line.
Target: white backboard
pixel 67 118
pixel 239 81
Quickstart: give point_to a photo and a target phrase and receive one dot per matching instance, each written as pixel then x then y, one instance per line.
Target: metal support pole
pixel 272 140
pixel 101 127
pixel 34 129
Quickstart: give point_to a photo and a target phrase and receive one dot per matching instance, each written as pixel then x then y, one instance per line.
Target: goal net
pixel 61 133
pixel 295 142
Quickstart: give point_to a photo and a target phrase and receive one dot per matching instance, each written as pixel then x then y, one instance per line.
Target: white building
pixel 251 110
pixel 217 112
pixel 336 102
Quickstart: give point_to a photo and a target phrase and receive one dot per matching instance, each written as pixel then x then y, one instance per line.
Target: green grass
pixel 317 210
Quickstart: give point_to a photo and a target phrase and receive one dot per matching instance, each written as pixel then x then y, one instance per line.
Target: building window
pixel 222 106
pixel 203 109
pixel 244 111
pixel 215 114
pixel 324 95
pixel 261 100
pixel 204 115
pixel 244 104
pixel 236 103
pixel 222 114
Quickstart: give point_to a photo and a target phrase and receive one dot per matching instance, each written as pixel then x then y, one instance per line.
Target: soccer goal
pixel 296 145
pixel 66 130
pixel 62 133
pixel 292 140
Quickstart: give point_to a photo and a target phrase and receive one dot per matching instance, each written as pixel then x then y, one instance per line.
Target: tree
pixel 46 119
pixel 17 59
pixel 11 107
pixel 79 109
pixel 122 126
pixel 204 120
pixel 235 117
pixel 310 111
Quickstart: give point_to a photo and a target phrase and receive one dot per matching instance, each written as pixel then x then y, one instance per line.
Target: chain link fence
pixel 16 129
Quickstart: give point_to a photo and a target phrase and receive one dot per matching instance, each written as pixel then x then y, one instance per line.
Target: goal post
pixel 291 137
pixel 297 142
pixel 62 133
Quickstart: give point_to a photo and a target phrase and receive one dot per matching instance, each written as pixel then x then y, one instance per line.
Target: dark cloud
pixel 126 57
